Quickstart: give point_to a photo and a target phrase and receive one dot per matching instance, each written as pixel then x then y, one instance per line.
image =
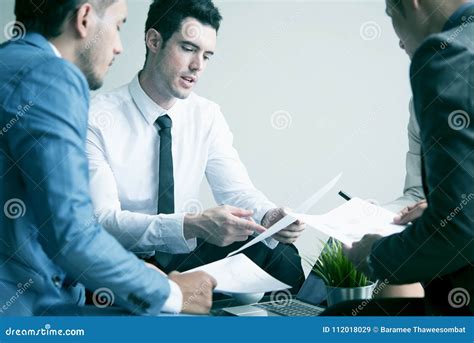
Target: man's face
pixel 103 44
pixel 407 26
pixel 183 59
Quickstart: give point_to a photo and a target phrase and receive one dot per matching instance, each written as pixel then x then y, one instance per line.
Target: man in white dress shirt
pixel 150 144
pixel 413 190
pixel 412 204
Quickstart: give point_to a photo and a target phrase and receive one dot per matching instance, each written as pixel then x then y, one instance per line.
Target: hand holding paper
pixel 288 220
pixel 287 235
pixel 351 221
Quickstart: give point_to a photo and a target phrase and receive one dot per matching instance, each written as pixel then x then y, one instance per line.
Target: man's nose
pixel 197 63
pixel 402 45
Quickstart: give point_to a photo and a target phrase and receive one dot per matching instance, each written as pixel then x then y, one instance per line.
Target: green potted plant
pixel 343 281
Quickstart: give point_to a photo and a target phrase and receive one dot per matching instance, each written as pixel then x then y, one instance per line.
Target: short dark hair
pixel 166 16
pixel 48 17
pixel 398 6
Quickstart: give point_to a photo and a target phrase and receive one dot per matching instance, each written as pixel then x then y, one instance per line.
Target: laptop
pixel 306 303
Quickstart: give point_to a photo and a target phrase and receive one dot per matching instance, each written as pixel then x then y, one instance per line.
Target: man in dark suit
pixel 437 248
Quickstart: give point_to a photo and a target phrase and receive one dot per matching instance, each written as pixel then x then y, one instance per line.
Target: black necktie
pixel 166 182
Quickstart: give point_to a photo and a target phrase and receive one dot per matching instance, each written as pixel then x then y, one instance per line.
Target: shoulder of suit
pixel 444 43
pixel 438 52
pixel 55 69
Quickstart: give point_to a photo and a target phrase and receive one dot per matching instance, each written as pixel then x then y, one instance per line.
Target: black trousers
pixel 283 262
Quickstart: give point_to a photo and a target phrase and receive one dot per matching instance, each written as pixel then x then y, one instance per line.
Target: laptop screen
pixel 313 290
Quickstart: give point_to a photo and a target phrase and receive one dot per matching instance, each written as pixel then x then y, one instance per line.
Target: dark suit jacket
pixel 438 249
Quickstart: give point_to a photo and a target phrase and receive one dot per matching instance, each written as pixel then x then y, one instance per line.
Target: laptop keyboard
pixel 293 308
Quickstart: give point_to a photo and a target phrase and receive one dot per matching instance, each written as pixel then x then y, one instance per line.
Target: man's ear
pixel 153 40
pixel 415 4
pixel 84 19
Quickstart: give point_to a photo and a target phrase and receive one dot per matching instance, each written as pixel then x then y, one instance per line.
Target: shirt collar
pixel 55 50
pixel 148 108
pixel 456 17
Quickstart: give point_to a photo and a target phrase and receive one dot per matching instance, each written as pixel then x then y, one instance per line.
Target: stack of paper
pixel 238 274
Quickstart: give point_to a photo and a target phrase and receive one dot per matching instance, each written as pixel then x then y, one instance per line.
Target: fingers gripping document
pixel 290 219
pixel 349 222
pixel 238 274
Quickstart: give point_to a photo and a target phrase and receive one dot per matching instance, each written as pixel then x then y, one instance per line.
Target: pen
pixel 345 196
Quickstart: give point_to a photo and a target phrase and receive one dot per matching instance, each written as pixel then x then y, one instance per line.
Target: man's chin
pixel 95 83
pixel 183 94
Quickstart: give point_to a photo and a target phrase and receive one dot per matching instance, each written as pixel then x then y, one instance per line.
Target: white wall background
pixel 333 67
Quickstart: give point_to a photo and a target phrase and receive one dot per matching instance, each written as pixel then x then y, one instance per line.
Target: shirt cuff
pixel 258 215
pixel 174 303
pixel 271 242
pixel 261 211
pixel 172 235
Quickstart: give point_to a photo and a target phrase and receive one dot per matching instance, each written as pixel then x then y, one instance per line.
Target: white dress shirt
pixel 123 151
pixel 55 50
pixel 413 191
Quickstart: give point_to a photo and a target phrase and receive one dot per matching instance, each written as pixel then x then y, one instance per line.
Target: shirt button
pixel 56 281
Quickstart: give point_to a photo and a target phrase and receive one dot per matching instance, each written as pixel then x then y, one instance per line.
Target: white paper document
pixel 238 274
pixel 349 222
pixel 288 220
pixel 278 226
